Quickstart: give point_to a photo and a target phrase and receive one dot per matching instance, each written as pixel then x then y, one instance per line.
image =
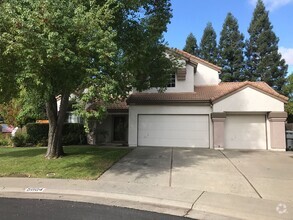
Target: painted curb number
pixel 34 189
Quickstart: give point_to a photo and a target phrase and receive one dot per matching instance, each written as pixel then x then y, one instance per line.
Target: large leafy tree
pixel 191 45
pixel 231 47
pixel 208 45
pixel 263 61
pixel 97 49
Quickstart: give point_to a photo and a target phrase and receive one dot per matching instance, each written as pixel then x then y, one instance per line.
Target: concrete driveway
pixel 257 174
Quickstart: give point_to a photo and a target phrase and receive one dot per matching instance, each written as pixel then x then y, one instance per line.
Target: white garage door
pixel 173 130
pixel 245 132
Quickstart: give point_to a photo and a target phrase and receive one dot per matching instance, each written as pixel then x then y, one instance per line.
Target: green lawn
pixel 81 162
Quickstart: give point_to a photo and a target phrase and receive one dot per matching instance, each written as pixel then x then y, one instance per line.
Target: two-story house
pixel 198 110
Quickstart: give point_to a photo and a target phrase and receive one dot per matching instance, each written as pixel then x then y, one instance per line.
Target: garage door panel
pixel 173 130
pixel 245 132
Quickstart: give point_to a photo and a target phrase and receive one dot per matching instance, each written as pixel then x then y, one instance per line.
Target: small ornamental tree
pixel 97 49
pixel 191 45
pixel 208 45
pixel 231 47
pixel 263 61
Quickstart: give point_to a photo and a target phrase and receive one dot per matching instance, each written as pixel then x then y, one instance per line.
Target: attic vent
pixel 181 74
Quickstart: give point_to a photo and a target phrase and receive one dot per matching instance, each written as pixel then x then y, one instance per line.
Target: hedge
pixel 37 134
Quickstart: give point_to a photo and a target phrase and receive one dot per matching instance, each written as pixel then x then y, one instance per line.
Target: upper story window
pixel 172 81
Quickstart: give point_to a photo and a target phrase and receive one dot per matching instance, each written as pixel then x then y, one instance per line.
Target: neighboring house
pixel 197 110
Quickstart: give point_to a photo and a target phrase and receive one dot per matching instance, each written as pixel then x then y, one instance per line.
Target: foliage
pixel 231 47
pixel 208 45
pixel 73 134
pixel 288 87
pixel 23 109
pixel 264 62
pixel 82 162
pixel 5 139
pixel 96 49
pixel 288 90
pixel 37 134
pixel 191 45
pixel 19 140
pixel 32 108
pixel 9 111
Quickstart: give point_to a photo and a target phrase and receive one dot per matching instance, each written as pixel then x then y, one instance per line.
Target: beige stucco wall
pixel 248 100
pixel 206 76
pixel 134 111
pixel 277 133
pixel 186 85
pixel 219 132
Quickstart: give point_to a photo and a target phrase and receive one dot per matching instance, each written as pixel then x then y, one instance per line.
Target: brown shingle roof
pixel 194 59
pixel 118 105
pixel 203 93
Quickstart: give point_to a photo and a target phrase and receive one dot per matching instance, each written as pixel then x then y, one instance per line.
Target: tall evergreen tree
pixel 191 45
pixel 263 61
pixel 231 47
pixel 208 45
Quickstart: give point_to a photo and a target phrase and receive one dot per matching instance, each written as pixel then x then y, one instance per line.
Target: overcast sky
pixel 193 15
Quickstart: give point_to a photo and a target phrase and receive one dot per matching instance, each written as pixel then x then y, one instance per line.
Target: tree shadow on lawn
pixel 80 162
pixel 22 152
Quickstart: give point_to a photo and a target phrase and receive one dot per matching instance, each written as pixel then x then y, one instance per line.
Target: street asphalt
pixel 28 209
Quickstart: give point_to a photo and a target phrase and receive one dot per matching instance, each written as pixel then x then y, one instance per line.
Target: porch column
pixel 219 129
pixel 277 130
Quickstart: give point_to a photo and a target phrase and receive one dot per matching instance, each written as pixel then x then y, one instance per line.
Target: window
pixel 172 80
pixel 71 118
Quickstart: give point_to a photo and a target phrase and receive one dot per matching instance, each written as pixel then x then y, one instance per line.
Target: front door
pixel 120 128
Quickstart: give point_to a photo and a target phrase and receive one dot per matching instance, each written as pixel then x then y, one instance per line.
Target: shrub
pixel 5 139
pixel 19 140
pixel 37 134
pixel 73 134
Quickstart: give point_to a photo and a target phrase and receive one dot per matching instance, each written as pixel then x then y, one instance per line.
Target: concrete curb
pixel 104 195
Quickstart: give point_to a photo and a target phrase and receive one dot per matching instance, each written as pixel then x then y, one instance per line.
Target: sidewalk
pixel 176 201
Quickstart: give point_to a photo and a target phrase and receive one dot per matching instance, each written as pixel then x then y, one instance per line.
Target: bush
pixel 73 134
pixel 5 139
pixel 19 140
pixel 37 134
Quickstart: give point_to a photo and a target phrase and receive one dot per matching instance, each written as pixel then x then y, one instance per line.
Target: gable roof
pixel 203 94
pixel 224 89
pixel 195 60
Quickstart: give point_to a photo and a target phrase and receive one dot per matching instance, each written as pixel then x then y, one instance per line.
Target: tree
pixel 288 91
pixel 191 45
pixel 208 45
pixel 9 112
pixel 263 61
pixel 99 49
pixel 231 47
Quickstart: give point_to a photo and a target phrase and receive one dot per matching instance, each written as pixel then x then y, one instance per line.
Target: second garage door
pixel 245 132
pixel 173 130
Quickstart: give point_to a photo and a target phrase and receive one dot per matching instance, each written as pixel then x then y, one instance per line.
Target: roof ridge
pixel 254 85
pixel 196 59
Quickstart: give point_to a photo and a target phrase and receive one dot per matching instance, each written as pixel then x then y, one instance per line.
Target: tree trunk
pixel 56 122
